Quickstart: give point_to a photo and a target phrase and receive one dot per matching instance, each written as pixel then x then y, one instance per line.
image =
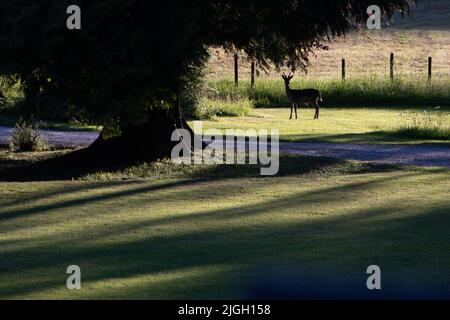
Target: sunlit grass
pixel 371 125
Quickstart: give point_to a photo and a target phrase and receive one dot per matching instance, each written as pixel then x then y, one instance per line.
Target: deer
pixel 302 97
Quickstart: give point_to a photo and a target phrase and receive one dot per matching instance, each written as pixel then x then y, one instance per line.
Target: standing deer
pixel 302 97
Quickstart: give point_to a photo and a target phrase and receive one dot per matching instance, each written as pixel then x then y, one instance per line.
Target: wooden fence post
pixel 430 67
pixel 343 69
pixel 253 74
pixel 391 66
pixel 236 69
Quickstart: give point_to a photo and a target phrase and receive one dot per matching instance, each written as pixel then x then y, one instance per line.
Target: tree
pixel 2 99
pixel 128 66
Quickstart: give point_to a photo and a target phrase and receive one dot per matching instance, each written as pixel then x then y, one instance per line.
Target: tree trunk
pixel 145 142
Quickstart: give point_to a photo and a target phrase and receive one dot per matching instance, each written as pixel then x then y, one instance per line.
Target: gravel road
pixel 58 138
pixel 420 155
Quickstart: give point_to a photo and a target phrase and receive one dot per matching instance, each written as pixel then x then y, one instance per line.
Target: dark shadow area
pixel 430 15
pixel 62 167
pixel 70 166
pixel 366 137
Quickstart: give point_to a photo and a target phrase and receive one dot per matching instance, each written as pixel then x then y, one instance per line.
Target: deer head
pixel 287 79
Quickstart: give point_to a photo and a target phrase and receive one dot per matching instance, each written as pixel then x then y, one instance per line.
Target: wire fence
pixel 333 66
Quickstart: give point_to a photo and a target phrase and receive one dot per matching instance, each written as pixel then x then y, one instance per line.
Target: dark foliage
pixel 2 99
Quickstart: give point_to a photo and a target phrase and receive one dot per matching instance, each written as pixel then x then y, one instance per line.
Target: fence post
pixel 253 74
pixel 430 66
pixel 343 69
pixel 236 69
pixel 391 66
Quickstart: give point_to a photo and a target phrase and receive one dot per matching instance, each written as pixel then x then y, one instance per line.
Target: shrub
pixel 210 108
pixel 11 93
pixel 2 99
pixel 426 125
pixel 26 137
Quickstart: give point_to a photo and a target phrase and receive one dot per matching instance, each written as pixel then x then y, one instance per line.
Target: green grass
pixel 208 108
pixel 213 237
pixel 360 125
pixel 425 125
pixel 359 92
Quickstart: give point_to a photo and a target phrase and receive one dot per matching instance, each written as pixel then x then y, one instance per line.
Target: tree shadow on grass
pixel 69 167
pixel 365 137
pixel 287 202
pixel 16 213
pixel 344 244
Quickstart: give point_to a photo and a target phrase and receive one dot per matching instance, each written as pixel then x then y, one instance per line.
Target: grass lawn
pixel 360 125
pixel 209 236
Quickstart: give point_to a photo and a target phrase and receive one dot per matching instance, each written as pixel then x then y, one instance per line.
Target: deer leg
pixel 292 109
pixel 296 106
pixel 317 111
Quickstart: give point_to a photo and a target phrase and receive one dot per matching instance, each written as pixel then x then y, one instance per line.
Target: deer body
pixel 302 97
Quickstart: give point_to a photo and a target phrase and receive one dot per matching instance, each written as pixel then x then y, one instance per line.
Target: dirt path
pixel 420 155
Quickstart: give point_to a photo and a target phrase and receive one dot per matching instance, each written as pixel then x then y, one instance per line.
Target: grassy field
pixel 371 125
pixel 207 236
pixel 413 40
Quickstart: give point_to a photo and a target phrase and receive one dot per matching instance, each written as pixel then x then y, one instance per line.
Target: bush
pixel 2 99
pixel 193 88
pixel 209 108
pixel 203 101
pixel 11 93
pixel 26 137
